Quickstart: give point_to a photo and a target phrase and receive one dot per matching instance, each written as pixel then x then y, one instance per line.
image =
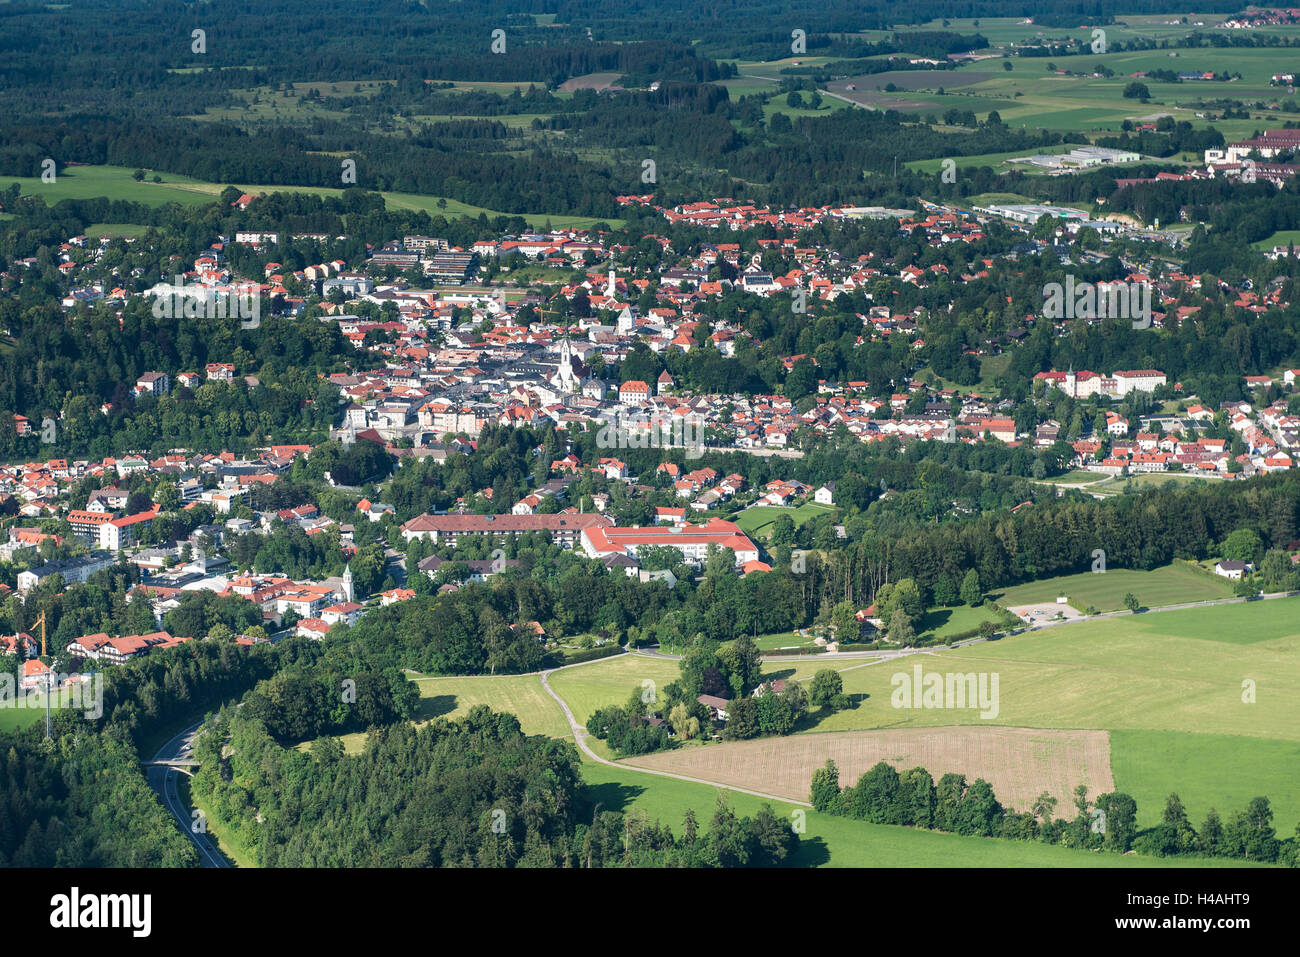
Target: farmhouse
pixel 1232 569
pixel 717 706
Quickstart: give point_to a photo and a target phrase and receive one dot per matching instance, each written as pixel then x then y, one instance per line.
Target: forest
pixel 470 793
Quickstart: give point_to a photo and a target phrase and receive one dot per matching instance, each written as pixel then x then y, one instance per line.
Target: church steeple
pixel 566 377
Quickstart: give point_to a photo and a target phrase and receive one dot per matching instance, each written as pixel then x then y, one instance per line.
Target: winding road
pixel 164 781
pixel 580 738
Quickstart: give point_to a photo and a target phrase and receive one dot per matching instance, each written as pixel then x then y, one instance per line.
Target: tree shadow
pixel 435 707
pixel 935 619
pixel 816 716
pixel 611 796
pixel 813 852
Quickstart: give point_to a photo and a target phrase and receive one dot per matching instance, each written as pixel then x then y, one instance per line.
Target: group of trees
pixel 884 796
pixel 630 730
pixel 768 712
pixel 299 706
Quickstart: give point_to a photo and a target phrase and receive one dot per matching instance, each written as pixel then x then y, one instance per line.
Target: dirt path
pixel 580 738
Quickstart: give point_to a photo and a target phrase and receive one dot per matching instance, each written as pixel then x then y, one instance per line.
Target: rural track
pixel 580 738
pixel 891 654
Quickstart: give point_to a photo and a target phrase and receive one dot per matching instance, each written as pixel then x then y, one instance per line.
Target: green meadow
pixel 835 841
pixel 1170 687
pixel 758 519
pixel 521 695
pixel 610 681
pixel 1168 585
pixel 117 182
pixel 1199 701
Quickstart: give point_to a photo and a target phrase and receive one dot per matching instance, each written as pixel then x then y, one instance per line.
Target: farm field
pixel 1031 97
pixel 1150 764
pixel 1170 671
pixel 1167 686
pixel 591 81
pixel 1168 585
pixel 841 842
pixel 1020 763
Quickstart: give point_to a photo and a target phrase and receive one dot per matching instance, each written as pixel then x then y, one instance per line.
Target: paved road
pixel 889 654
pixel 580 737
pixel 164 780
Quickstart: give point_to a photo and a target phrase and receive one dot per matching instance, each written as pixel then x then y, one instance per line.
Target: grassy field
pixel 33 709
pixel 784 639
pixel 1076 477
pixel 758 519
pixel 521 695
pixel 116 182
pixel 1167 687
pixel 1177 672
pixel 1207 771
pixel 132 230
pixel 1031 96
pixel 940 622
pixel 611 681
pixel 1169 585
pixel 835 841
pixel 1282 238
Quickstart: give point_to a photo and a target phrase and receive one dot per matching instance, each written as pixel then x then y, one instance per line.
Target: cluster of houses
pixel 220 480
pixel 1254 158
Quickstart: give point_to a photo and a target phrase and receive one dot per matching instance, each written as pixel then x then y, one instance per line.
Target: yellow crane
pixel 41 621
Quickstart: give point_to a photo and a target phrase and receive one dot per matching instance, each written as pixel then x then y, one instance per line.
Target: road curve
pixel 164 781
pixel 580 738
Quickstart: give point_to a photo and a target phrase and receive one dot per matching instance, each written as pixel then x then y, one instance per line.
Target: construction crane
pixel 41 621
pixel 49 673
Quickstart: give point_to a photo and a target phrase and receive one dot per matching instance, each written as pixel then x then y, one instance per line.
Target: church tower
pixel 566 377
pixel 611 291
pixel 347 583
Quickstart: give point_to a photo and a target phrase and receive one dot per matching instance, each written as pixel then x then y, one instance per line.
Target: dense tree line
pixel 1109 822
pixel 81 801
pixel 470 793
